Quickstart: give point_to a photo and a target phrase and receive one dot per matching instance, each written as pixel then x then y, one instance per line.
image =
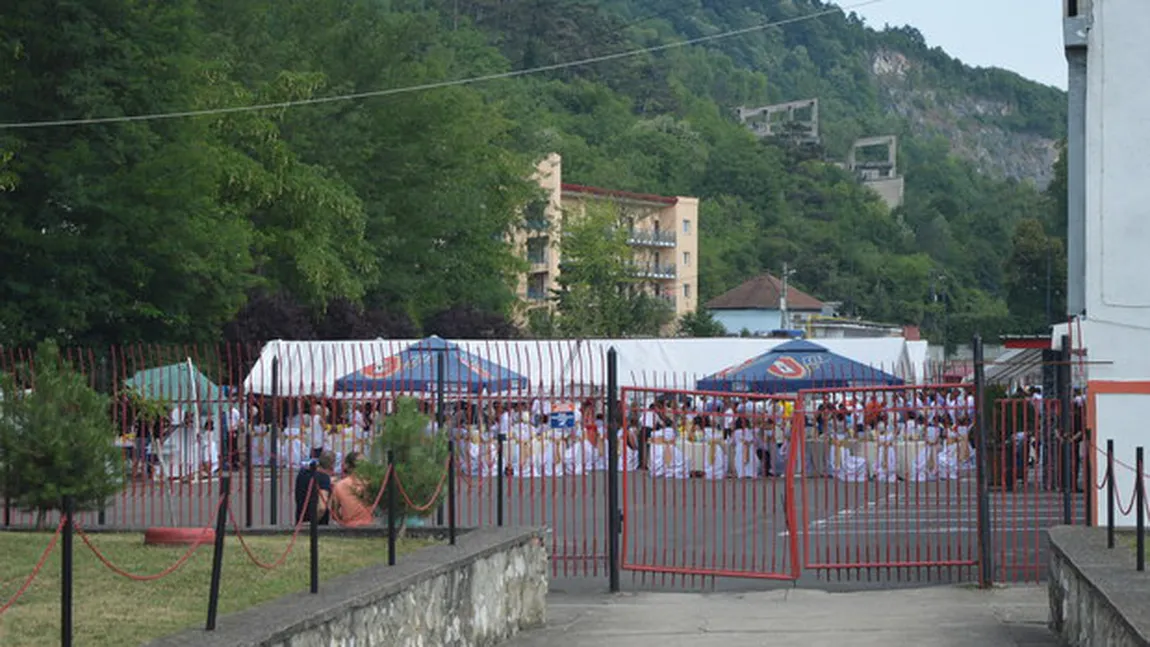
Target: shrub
pixel 420 458
pixel 56 438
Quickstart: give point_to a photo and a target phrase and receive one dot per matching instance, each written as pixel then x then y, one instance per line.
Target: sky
pixel 1023 36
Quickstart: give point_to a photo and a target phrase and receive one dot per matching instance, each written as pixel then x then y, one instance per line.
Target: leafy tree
pixel 420 458
pixel 469 322
pixel 56 438
pixel 700 323
pixel 1036 276
pixel 346 320
pixel 267 316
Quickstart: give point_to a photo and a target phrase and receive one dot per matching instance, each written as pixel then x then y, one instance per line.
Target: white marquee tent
pixel 309 368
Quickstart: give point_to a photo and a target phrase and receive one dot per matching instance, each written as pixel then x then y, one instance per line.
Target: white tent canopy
pixel 568 366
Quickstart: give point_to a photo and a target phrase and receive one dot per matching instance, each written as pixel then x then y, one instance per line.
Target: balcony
pixel 539 261
pixel 654 270
pixel 651 238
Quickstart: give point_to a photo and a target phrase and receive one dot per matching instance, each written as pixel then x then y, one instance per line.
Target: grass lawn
pixel 113 610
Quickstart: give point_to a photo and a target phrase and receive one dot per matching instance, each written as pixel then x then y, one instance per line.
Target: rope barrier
pixel 434 497
pixel 1125 510
pixel 141 578
pixel 36 570
pixel 1105 479
pixel 378 496
pixel 270 566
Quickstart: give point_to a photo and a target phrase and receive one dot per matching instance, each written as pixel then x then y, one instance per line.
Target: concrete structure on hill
pixel 663 236
pixel 878 171
pixel 794 119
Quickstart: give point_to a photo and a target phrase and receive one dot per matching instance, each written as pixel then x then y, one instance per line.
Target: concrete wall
pixel 1117 295
pixel 487 588
pixel 1097 599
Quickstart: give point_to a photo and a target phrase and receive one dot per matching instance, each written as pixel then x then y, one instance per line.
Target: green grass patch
pixel 114 611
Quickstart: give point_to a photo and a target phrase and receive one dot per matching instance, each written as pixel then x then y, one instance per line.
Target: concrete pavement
pixel 944 616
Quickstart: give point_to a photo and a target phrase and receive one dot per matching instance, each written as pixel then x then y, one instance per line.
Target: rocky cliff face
pixel 967 122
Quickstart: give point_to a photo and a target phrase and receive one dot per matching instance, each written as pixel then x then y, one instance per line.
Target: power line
pixel 428 86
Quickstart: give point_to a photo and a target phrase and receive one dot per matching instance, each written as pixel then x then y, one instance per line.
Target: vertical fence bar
pixel 1110 493
pixel 313 528
pixel 614 515
pixel 1066 404
pixel 218 553
pixel 500 441
pixel 985 559
pixel 440 379
pixel 66 573
pixel 249 472
pixel 1140 504
pixel 274 450
pixel 392 482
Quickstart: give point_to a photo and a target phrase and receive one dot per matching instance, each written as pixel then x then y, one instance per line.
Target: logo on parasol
pixel 475 368
pixel 788 368
pixel 384 369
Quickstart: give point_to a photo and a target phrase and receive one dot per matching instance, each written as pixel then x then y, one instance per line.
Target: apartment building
pixel 663 236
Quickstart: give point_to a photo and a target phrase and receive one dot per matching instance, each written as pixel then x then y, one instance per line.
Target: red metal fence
pixel 872 483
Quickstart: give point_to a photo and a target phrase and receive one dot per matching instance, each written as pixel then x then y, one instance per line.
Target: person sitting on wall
pixel 347 507
pixel 324 462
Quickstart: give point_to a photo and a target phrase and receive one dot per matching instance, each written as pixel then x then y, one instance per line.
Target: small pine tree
pixel 420 457
pixel 56 438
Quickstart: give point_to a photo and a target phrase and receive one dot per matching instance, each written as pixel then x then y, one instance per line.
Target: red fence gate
pixel 684 518
pixel 887 483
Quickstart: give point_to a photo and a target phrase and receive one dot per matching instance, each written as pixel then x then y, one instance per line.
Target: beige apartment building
pixel 663 238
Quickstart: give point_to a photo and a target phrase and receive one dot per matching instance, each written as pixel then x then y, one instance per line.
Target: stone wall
pixel 1097 599
pixel 488 587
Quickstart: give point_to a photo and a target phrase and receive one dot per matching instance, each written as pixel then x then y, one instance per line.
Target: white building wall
pixel 1117 293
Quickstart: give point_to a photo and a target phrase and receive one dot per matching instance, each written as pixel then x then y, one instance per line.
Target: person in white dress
pixel 715 455
pixel 628 451
pixel 743 444
pixel 926 464
pixel 886 462
pixel 581 455
pixel 844 465
pixel 667 459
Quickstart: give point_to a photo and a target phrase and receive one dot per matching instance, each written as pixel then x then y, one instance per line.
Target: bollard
pixel 218 553
pixel 313 527
pixel 499 469
pixel 66 573
pixel 392 507
pixel 1140 503
pixel 1110 493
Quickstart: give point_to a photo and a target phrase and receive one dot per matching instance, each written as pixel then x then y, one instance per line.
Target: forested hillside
pixel 385 214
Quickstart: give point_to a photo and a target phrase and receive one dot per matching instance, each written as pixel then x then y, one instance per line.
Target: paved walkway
pixel 943 616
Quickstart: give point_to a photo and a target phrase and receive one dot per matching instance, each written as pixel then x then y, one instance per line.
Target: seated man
pixel 324 465
pixel 347 508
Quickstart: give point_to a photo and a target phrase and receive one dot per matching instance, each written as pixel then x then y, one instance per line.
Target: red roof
pixel 764 293
pixel 621 195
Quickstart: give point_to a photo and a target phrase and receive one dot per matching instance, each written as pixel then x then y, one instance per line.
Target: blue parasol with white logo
pixel 415 370
pixel 795 366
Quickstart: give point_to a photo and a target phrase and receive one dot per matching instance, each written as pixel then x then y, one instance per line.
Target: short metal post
pixel 218 553
pixel 313 528
pixel 392 507
pixel 66 573
pixel 451 490
pixel 1088 471
pixel 1140 504
pixel 1110 493
pixel 499 469
pixel 249 474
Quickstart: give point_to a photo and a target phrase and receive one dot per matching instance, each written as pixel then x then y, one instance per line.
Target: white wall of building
pixel 1117 293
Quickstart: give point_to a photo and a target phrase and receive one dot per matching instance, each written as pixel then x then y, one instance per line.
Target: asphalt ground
pixel 723 535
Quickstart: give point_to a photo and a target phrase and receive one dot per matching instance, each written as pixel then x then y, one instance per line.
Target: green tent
pixel 178 384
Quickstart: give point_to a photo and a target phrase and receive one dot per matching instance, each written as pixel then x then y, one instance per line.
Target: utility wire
pixel 428 86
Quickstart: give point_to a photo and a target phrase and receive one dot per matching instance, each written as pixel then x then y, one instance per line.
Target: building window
pixel 686 258
pixel 686 226
pixel 686 290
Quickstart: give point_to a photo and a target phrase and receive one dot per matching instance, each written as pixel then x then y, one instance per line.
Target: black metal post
pixel 249 477
pixel 1066 411
pixel 218 553
pixel 66 573
pixel 614 424
pixel 1110 493
pixel 7 512
pixel 982 456
pixel 313 527
pixel 1049 451
pixel 1140 513
pixel 392 508
pixel 275 443
pixel 102 515
pixel 499 469
pixel 1088 471
pixel 441 418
